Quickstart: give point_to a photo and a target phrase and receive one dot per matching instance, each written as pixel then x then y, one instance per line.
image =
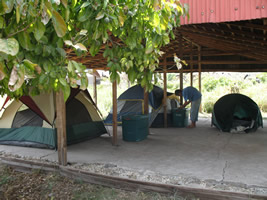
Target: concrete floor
pixel 204 153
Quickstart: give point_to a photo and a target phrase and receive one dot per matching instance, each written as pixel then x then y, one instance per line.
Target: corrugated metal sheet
pixel 215 11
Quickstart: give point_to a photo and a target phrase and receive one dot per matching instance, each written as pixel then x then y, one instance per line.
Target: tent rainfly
pixel 30 121
pixel 131 102
pixel 236 113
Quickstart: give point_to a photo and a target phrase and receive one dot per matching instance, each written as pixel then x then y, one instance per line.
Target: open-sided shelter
pixel 236 112
pixel 30 121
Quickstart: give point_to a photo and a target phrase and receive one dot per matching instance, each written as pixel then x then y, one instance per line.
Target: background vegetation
pixel 214 86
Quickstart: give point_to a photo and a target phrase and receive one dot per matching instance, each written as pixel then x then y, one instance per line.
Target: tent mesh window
pixel 26 117
pixel 132 107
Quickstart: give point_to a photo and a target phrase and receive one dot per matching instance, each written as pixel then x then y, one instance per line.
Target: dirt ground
pixel 16 185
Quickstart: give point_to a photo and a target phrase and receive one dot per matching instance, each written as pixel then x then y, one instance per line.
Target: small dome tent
pixel 30 121
pixel 236 112
pixel 131 102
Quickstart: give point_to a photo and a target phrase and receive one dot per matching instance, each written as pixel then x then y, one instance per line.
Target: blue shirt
pixel 191 94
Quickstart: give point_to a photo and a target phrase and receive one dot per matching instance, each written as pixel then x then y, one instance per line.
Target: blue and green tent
pixel 131 102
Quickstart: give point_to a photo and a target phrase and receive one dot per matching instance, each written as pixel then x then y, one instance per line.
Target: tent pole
pixel 115 123
pixel 95 91
pixel 165 93
pixel 61 129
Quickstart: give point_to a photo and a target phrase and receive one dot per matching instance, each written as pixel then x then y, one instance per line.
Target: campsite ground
pixel 200 158
pixel 39 185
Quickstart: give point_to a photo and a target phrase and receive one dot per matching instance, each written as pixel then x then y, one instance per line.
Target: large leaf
pixel 2 71
pixel 18 13
pixel 9 46
pixel 39 30
pixel 84 83
pixel 65 3
pixel 25 41
pixel 2 22
pixel 149 47
pixel 32 66
pixel 100 15
pixel 80 46
pixel 59 24
pixel 122 18
pixel 66 92
pixel 16 78
pixel 7 5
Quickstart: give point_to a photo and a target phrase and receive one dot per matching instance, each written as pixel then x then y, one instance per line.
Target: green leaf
pixel 166 39
pixel 18 13
pixel 70 67
pixel 16 78
pixel 2 71
pixel 61 52
pixel 2 22
pixel 7 5
pixel 25 41
pixel 80 46
pixel 68 42
pixel 85 4
pixel 9 46
pixel 66 92
pixel 100 15
pixel 29 64
pixel 149 46
pixel 59 24
pixel 105 3
pixel 42 79
pixel 84 15
pixel 63 81
pixel 156 20
pixel 65 3
pixel 84 83
pixel 39 30
pixel 122 18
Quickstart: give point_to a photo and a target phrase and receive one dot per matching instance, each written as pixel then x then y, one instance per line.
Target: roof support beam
pixel 61 129
pixel 115 123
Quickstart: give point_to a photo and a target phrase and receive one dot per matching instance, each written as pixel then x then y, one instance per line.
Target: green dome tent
pixel 236 112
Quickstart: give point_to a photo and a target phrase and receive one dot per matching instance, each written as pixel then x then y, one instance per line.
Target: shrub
pixel 208 106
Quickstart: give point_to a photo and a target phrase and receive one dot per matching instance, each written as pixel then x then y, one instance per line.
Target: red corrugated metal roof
pixel 215 11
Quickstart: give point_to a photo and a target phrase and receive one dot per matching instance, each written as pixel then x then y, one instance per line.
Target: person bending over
pixel 191 95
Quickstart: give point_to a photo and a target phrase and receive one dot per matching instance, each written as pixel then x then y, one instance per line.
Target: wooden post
pixel 199 72
pixel 165 93
pixel 181 70
pixel 191 64
pixel 61 129
pixel 95 90
pixel 199 68
pixel 115 123
pixel 146 111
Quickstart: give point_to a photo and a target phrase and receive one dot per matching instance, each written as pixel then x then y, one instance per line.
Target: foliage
pixel 209 98
pixel 36 36
pixel 262 77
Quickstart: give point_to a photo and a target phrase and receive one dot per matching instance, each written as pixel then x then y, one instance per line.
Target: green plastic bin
pixel 134 127
pixel 180 117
